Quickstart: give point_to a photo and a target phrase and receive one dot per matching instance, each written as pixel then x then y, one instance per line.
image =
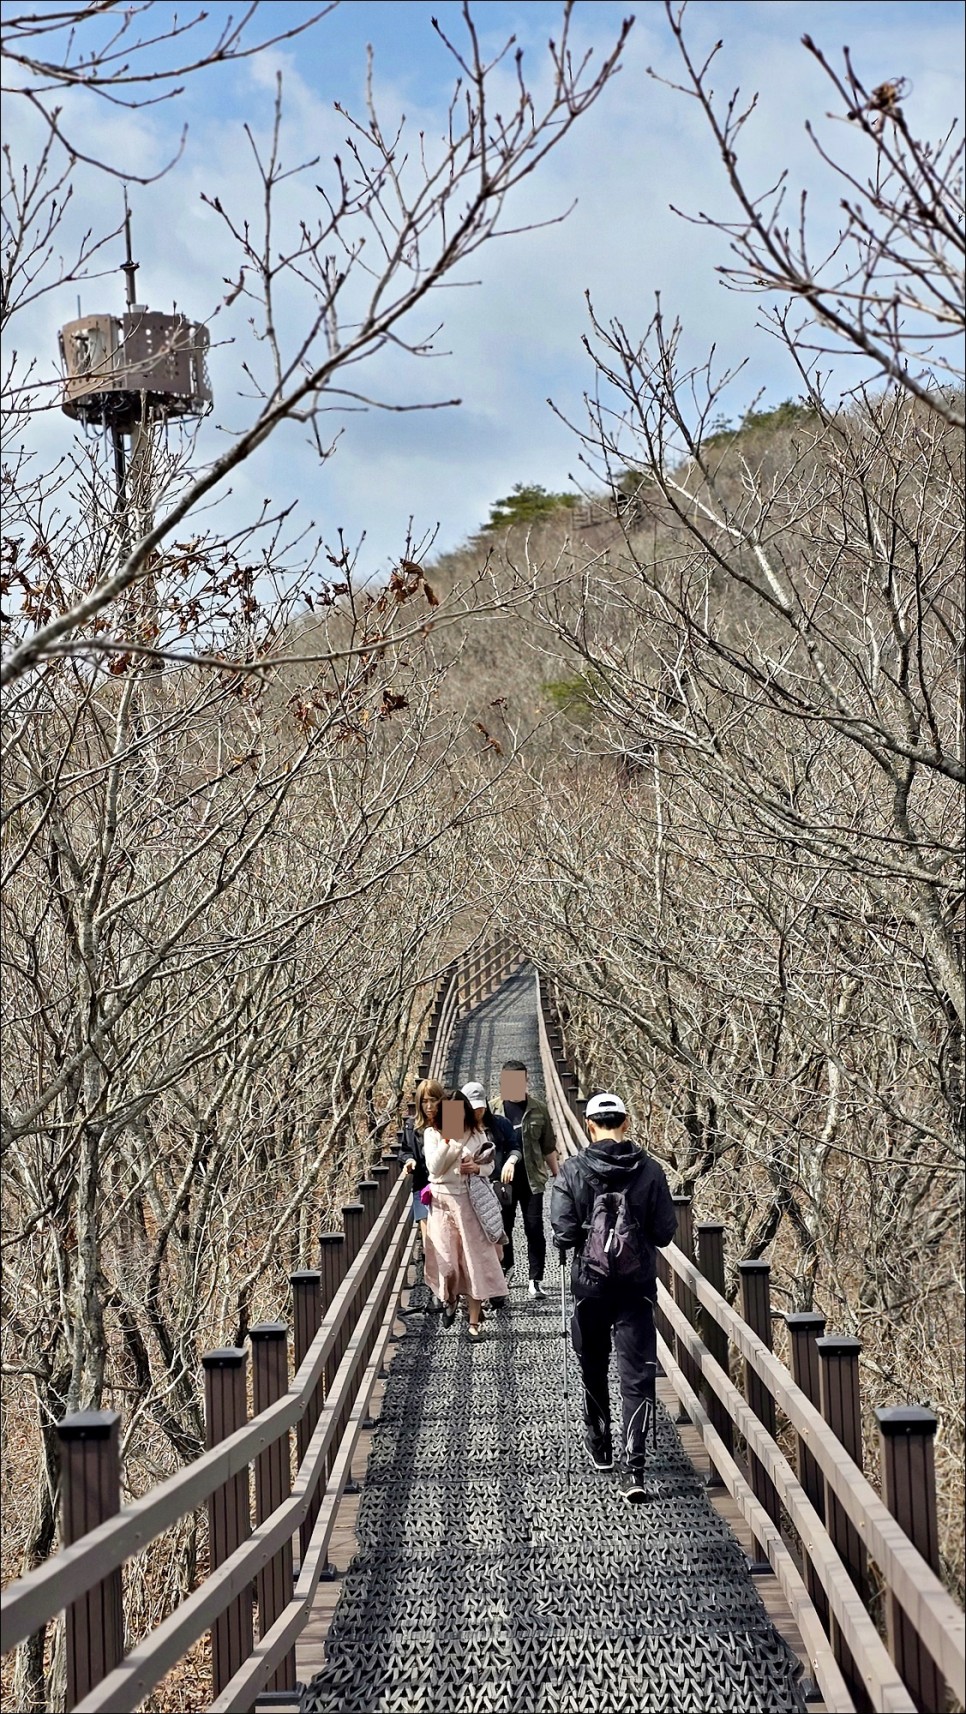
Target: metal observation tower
pixel 129 374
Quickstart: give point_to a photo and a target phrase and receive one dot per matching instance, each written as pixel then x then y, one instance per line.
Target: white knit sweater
pixel 443 1158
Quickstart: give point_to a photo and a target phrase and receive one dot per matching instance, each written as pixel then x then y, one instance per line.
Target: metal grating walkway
pixel 483 1581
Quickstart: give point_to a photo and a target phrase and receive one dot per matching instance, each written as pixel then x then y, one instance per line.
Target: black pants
pixel 530 1203
pixel 628 1317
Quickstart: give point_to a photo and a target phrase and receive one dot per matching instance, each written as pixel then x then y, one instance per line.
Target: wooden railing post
pixel 755 1278
pixel 368 1194
pixel 307 1318
pixel 906 1435
pixel 229 1509
pixel 354 1224
pixel 660 1319
pixel 273 1485
pixel 332 1256
pixel 805 1328
pixel 334 1264
pixel 684 1296
pixel 840 1405
pixel 90 1493
pixel 379 1173
pixel 711 1262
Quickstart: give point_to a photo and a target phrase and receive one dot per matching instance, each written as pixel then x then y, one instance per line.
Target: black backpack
pixel 614 1248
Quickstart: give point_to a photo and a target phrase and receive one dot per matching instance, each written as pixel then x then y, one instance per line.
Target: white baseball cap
pixel 475 1094
pixel 606 1106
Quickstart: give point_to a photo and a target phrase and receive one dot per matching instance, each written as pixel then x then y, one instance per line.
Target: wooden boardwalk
pixel 475 1575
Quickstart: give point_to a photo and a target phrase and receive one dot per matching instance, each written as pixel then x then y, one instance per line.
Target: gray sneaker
pixel 535 1289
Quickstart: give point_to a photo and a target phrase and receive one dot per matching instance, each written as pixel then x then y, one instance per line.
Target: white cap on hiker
pixel 606 1107
pixel 475 1094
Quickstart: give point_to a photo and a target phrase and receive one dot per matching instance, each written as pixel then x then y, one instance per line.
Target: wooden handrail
pixel 444 1029
pixel 146 1664
pixel 484 969
pixel 567 1132
pixel 247 1683
pixel 34 1600
pixel 343 1342
pixel 937 1620
pixel 828 1673
pixel 878 1671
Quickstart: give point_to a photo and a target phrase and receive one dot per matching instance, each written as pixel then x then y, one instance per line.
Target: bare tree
pixel 755 920
pixel 238 808
pixel 892 289
pixel 393 225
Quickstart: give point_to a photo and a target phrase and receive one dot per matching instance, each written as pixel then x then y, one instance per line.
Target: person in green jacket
pixel 526 1169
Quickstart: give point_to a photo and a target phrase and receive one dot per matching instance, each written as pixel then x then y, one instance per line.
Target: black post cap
pixel 224 1357
pixel 907 1419
pixel 88 1424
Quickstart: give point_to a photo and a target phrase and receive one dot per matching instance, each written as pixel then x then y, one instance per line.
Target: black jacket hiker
pixel 606 1309
pixel 619 1166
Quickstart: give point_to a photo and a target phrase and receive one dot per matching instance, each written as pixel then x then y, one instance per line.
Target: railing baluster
pixel 273 1485
pixel 307 1317
pixel 229 1509
pixel 805 1327
pixel 353 1221
pixel 840 1405
pixel 906 1435
pixel 334 1264
pixel 660 1319
pixel 684 1297
pixel 755 1277
pixel 91 1492
pixel 711 1262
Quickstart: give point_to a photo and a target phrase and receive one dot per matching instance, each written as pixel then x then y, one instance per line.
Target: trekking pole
pixel 565 1341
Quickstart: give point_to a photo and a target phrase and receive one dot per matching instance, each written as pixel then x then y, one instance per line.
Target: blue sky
pixel 515 338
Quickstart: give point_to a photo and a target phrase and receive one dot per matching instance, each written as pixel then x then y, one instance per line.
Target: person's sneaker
pixel 535 1289
pixel 636 1491
pixel 599 1449
pixel 499 1303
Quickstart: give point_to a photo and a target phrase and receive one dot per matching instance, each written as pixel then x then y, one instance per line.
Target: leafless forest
pixel 697 742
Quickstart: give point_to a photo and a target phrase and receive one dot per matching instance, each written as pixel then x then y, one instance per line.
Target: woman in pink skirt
pixel 460 1260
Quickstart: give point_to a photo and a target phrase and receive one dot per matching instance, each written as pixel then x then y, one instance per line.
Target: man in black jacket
pixel 611 1205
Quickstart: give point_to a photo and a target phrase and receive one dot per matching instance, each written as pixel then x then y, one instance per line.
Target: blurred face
pixel 454 1120
pixel 430 1106
pixel 478 1113
pixel 513 1085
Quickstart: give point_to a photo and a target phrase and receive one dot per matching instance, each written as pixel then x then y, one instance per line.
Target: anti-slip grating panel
pixel 485 1579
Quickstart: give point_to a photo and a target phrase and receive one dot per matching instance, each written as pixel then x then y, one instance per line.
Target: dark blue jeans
pixel 530 1204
